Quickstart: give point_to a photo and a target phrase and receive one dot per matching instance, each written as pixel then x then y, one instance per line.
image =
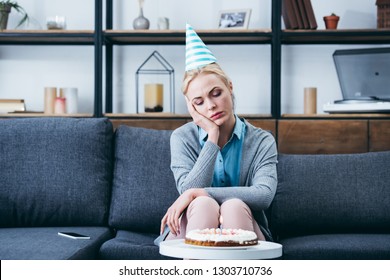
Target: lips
pixel 216 115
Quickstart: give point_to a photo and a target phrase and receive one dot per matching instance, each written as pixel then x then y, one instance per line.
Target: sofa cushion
pixel 44 243
pixel 131 246
pixel 337 247
pixel 332 193
pixel 143 185
pixel 55 172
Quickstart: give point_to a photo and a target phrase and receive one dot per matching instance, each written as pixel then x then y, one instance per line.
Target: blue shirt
pixel 227 164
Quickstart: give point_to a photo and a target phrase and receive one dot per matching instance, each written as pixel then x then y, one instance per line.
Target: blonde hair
pixel 212 68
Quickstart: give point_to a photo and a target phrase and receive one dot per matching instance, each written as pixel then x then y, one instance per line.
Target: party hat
pixel 198 54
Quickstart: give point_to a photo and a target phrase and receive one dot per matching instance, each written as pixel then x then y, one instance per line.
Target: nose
pixel 211 105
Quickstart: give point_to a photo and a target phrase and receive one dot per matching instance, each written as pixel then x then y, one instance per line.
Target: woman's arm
pixel 260 157
pixel 192 166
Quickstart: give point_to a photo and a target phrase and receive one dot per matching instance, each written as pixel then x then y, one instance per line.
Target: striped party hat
pixel 197 53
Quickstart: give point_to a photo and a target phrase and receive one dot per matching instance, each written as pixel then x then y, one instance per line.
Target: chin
pixel 220 121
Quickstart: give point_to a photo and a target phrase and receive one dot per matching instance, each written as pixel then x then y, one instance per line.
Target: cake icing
pixel 218 237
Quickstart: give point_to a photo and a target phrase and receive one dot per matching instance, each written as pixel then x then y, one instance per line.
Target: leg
pixel 236 214
pixel 203 212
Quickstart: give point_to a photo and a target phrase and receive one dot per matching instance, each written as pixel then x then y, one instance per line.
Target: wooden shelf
pixel 170 37
pixel 173 116
pixel 340 36
pixel 167 116
pixel 146 116
pixel 173 121
pixel 47 37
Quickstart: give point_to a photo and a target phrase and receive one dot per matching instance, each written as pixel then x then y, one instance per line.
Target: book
pixel 288 15
pixel 310 14
pixel 294 4
pixel 286 20
pixel 11 105
pixel 303 14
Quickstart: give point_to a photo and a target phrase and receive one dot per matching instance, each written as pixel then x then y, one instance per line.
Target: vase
pixel 141 22
pixel 331 21
pixel 4 13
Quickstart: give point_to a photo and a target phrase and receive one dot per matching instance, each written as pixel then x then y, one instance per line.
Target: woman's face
pixel 211 98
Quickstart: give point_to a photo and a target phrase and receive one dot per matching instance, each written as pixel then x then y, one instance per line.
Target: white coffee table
pixel 178 249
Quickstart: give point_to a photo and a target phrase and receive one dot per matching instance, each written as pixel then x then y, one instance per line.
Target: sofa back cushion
pixel 143 185
pixel 55 172
pixel 332 193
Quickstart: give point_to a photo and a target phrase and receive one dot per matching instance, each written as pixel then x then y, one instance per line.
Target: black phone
pixel 73 235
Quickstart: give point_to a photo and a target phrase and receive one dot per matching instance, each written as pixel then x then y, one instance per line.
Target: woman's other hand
pixel 171 217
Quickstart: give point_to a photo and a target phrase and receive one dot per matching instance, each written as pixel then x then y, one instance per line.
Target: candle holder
pixel 154 77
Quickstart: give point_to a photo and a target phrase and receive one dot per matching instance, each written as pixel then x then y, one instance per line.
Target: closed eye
pixel 198 101
pixel 216 93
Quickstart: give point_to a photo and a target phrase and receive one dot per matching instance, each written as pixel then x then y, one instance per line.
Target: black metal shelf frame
pixel 98 39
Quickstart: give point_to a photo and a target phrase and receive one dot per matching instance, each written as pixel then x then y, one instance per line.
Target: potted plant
pixel 331 21
pixel 5 9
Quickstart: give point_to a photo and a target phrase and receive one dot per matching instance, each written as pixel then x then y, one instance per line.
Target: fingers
pixel 191 109
pixel 171 219
pixel 198 118
pixel 174 223
pixel 163 223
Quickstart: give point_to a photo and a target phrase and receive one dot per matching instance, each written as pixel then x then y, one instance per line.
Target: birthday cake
pixel 221 238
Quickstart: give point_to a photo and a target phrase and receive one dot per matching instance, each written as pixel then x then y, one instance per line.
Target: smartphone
pixel 74 235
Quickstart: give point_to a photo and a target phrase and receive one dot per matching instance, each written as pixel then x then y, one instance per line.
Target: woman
pixel 225 168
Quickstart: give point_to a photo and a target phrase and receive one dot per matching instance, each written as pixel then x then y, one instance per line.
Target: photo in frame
pixel 234 19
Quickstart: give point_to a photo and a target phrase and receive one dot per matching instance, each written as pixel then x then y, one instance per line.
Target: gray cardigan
pixel 193 167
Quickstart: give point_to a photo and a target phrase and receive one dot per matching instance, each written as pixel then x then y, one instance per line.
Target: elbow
pixel 264 199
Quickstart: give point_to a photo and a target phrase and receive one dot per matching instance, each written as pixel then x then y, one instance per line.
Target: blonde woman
pixel 224 167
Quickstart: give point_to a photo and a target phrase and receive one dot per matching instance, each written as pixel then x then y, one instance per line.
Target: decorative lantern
pixel 154 79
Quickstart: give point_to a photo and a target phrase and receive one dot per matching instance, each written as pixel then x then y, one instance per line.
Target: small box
pixel 383 7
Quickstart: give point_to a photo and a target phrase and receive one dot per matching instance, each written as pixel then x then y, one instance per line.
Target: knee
pixel 204 203
pixel 235 205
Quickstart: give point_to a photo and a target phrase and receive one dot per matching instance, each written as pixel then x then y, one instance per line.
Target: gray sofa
pixel 55 175
pixel 67 174
pixel 333 206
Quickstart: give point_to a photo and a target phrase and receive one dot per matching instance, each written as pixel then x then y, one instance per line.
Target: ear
pixel 231 88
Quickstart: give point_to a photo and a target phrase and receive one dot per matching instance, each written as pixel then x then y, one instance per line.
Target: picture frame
pixel 234 19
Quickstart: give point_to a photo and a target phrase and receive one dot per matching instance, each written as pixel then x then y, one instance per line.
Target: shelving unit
pixel 92 38
pixel 104 39
pixel 48 37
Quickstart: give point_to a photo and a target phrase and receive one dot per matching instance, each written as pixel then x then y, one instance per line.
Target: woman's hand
pixel 171 218
pixel 205 123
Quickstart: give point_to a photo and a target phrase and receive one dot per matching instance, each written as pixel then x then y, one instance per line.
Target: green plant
pixel 4 4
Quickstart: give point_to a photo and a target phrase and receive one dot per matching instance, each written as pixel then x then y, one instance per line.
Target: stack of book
pixel 298 14
pixel 11 106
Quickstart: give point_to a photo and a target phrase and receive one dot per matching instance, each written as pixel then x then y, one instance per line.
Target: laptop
pixel 364 77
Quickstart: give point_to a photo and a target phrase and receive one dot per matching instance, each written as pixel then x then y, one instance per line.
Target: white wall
pixel 26 70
